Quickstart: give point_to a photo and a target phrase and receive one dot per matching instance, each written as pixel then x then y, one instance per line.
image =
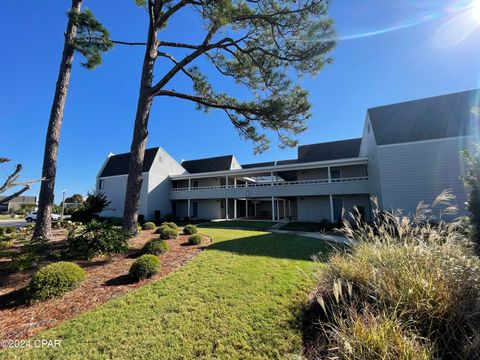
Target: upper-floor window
pixel 101 183
pixel 195 183
pixel 369 128
pixel 336 173
pixel 160 158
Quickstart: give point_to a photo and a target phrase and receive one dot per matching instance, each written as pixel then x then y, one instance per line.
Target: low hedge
pixel 155 247
pixel 190 230
pixel 54 280
pixel 195 239
pixel 144 267
pixel 149 226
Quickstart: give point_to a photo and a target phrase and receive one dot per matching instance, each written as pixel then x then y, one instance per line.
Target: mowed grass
pixel 238 224
pixel 303 226
pixel 242 298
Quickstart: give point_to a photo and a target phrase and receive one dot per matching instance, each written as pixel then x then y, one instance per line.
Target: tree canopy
pixel 264 46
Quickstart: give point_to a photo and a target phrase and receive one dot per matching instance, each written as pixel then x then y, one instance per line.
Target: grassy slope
pixel 239 299
pixel 253 225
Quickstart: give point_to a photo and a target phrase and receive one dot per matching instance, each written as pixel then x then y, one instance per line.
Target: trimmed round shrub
pixel 170 224
pixel 195 239
pixel 155 247
pixel 54 280
pixel 149 226
pixel 190 230
pixel 166 233
pixel 144 267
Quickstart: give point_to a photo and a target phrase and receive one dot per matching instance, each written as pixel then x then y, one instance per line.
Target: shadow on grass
pixel 243 225
pixel 284 246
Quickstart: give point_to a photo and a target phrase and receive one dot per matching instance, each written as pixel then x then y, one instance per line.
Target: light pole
pixel 63 202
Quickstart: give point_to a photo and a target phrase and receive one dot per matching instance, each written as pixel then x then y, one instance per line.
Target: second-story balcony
pixel 312 187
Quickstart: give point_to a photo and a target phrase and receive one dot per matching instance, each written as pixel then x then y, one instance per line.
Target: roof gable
pixel 425 119
pixel 118 164
pixel 334 150
pixel 218 163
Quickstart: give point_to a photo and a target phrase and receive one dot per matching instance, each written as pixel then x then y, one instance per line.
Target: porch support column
pixel 289 208
pixel 188 211
pixel 329 175
pixel 272 178
pixel 235 208
pixel 255 209
pixel 284 209
pixel 226 181
pixel 226 208
pixel 246 209
pixel 331 209
pixel 234 182
pixel 189 184
pixel 278 209
pixel 273 208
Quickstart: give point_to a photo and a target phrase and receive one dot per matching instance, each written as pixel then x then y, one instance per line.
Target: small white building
pixel 409 152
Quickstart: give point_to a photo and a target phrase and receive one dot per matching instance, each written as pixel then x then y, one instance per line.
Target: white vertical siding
pixel 419 171
pixel 159 184
pixel 368 148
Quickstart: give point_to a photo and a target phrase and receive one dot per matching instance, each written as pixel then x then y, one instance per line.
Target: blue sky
pixel 391 51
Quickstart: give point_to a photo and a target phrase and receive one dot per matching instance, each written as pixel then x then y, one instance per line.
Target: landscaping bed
pixel 106 279
pixel 241 298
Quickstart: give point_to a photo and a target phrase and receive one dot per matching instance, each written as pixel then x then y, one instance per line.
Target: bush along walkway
pixel 241 298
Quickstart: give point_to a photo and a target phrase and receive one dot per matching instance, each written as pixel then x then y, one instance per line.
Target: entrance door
pixel 195 209
pixel 337 208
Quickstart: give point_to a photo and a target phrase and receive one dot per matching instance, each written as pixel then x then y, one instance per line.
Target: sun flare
pixel 476 10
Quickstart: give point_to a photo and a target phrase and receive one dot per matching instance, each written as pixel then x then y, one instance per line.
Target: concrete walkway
pixel 320 236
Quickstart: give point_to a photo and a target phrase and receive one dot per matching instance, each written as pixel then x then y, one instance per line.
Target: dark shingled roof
pixel 218 163
pixel 118 164
pixel 269 163
pixel 333 150
pixel 425 119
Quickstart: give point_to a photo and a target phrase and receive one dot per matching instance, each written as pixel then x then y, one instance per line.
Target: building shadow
pixel 285 246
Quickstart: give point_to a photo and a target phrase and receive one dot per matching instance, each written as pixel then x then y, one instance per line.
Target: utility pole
pixel 63 202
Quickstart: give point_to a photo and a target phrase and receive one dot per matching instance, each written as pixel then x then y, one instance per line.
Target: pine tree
pixel 87 36
pixel 260 44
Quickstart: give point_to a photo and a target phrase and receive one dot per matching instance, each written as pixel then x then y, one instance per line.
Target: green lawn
pixel 303 226
pixel 239 299
pixel 238 224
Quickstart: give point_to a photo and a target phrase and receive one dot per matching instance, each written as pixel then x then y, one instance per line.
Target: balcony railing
pixel 276 184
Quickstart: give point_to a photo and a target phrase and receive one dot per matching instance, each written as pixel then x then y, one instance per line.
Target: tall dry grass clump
pixel 407 288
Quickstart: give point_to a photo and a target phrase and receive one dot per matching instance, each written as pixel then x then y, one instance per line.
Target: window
pixel 369 128
pixel 160 159
pixel 336 173
pixel 195 183
pixel 101 184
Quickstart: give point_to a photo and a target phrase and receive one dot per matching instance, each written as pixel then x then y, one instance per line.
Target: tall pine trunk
pixel 140 134
pixel 43 224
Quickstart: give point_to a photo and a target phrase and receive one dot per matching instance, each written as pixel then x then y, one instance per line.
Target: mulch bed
pixel 106 279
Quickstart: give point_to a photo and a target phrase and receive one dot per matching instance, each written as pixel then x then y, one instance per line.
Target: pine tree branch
pixel 205 101
pixel 128 43
pixel 18 193
pixel 11 179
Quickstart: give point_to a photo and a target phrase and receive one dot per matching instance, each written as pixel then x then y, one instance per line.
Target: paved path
pixel 13 222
